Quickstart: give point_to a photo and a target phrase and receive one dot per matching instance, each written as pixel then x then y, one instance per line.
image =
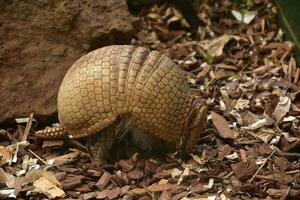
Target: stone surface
pixel 39 41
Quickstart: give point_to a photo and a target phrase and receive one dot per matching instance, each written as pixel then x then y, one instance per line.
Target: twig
pixel 262 165
pixel 28 127
pixel 289 154
pixel 293 172
pixel 228 175
pixel 213 80
pixel 286 194
pixel 41 159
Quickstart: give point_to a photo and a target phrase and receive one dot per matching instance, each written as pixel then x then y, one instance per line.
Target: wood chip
pixel 48 188
pixel 114 193
pixel 126 165
pixel 104 181
pixel 136 191
pixel 136 174
pixel 71 182
pixel 159 187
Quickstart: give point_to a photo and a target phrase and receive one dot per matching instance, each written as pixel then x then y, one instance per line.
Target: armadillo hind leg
pixel 99 145
pixel 148 144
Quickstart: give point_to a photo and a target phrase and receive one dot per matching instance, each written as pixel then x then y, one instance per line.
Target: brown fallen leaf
pixel 282 163
pixel 223 151
pixel 215 46
pixel 223 127
pixel 244 170
pixel 282 108
pixel 14 185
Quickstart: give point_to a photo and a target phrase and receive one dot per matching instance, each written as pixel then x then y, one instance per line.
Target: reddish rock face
pixel 40 40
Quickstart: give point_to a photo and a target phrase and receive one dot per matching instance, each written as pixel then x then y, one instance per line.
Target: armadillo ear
pixel 197 122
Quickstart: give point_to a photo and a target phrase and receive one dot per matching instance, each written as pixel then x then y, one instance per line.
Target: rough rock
pixel 39 41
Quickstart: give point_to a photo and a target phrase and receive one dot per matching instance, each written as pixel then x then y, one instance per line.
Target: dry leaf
pixel 7 193
pixel 232 156
pixel 255 125
pixel 242 104
pixel 186 173
pixel 175 172
pixel 13 183
pixel 282 108
pixel 223 127
pixel 244 16
pixel 244 170
pixel 215 46
pixel 9 154
pixel 7 179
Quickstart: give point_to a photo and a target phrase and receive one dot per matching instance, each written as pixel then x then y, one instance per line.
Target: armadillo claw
pixel 196 126
pixel 99 145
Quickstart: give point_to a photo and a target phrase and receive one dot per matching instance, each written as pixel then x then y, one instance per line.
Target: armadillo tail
pixel 56 132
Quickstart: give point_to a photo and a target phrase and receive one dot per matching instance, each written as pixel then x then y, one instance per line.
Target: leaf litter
pixel 241 64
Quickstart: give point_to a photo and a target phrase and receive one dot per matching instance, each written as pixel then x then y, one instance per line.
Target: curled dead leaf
pixel 223 127
pixel 215 46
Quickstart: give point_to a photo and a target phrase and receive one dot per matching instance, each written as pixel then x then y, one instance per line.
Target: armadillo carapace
pixel 113 88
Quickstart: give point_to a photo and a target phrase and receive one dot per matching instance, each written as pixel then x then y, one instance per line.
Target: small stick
pixel 262 165
pixel 28 127
pixel 228 175
pixel 41 159
pixel 289 154
pixel 286 194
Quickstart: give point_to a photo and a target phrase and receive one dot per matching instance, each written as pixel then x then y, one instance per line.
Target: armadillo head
pixel 194 124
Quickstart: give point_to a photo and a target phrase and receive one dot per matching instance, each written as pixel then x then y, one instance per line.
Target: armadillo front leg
pixel 99 145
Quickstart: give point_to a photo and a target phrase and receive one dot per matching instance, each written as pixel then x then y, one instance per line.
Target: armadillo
pixel 114 88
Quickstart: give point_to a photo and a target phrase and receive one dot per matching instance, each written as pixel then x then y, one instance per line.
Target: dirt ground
pixel 250 148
